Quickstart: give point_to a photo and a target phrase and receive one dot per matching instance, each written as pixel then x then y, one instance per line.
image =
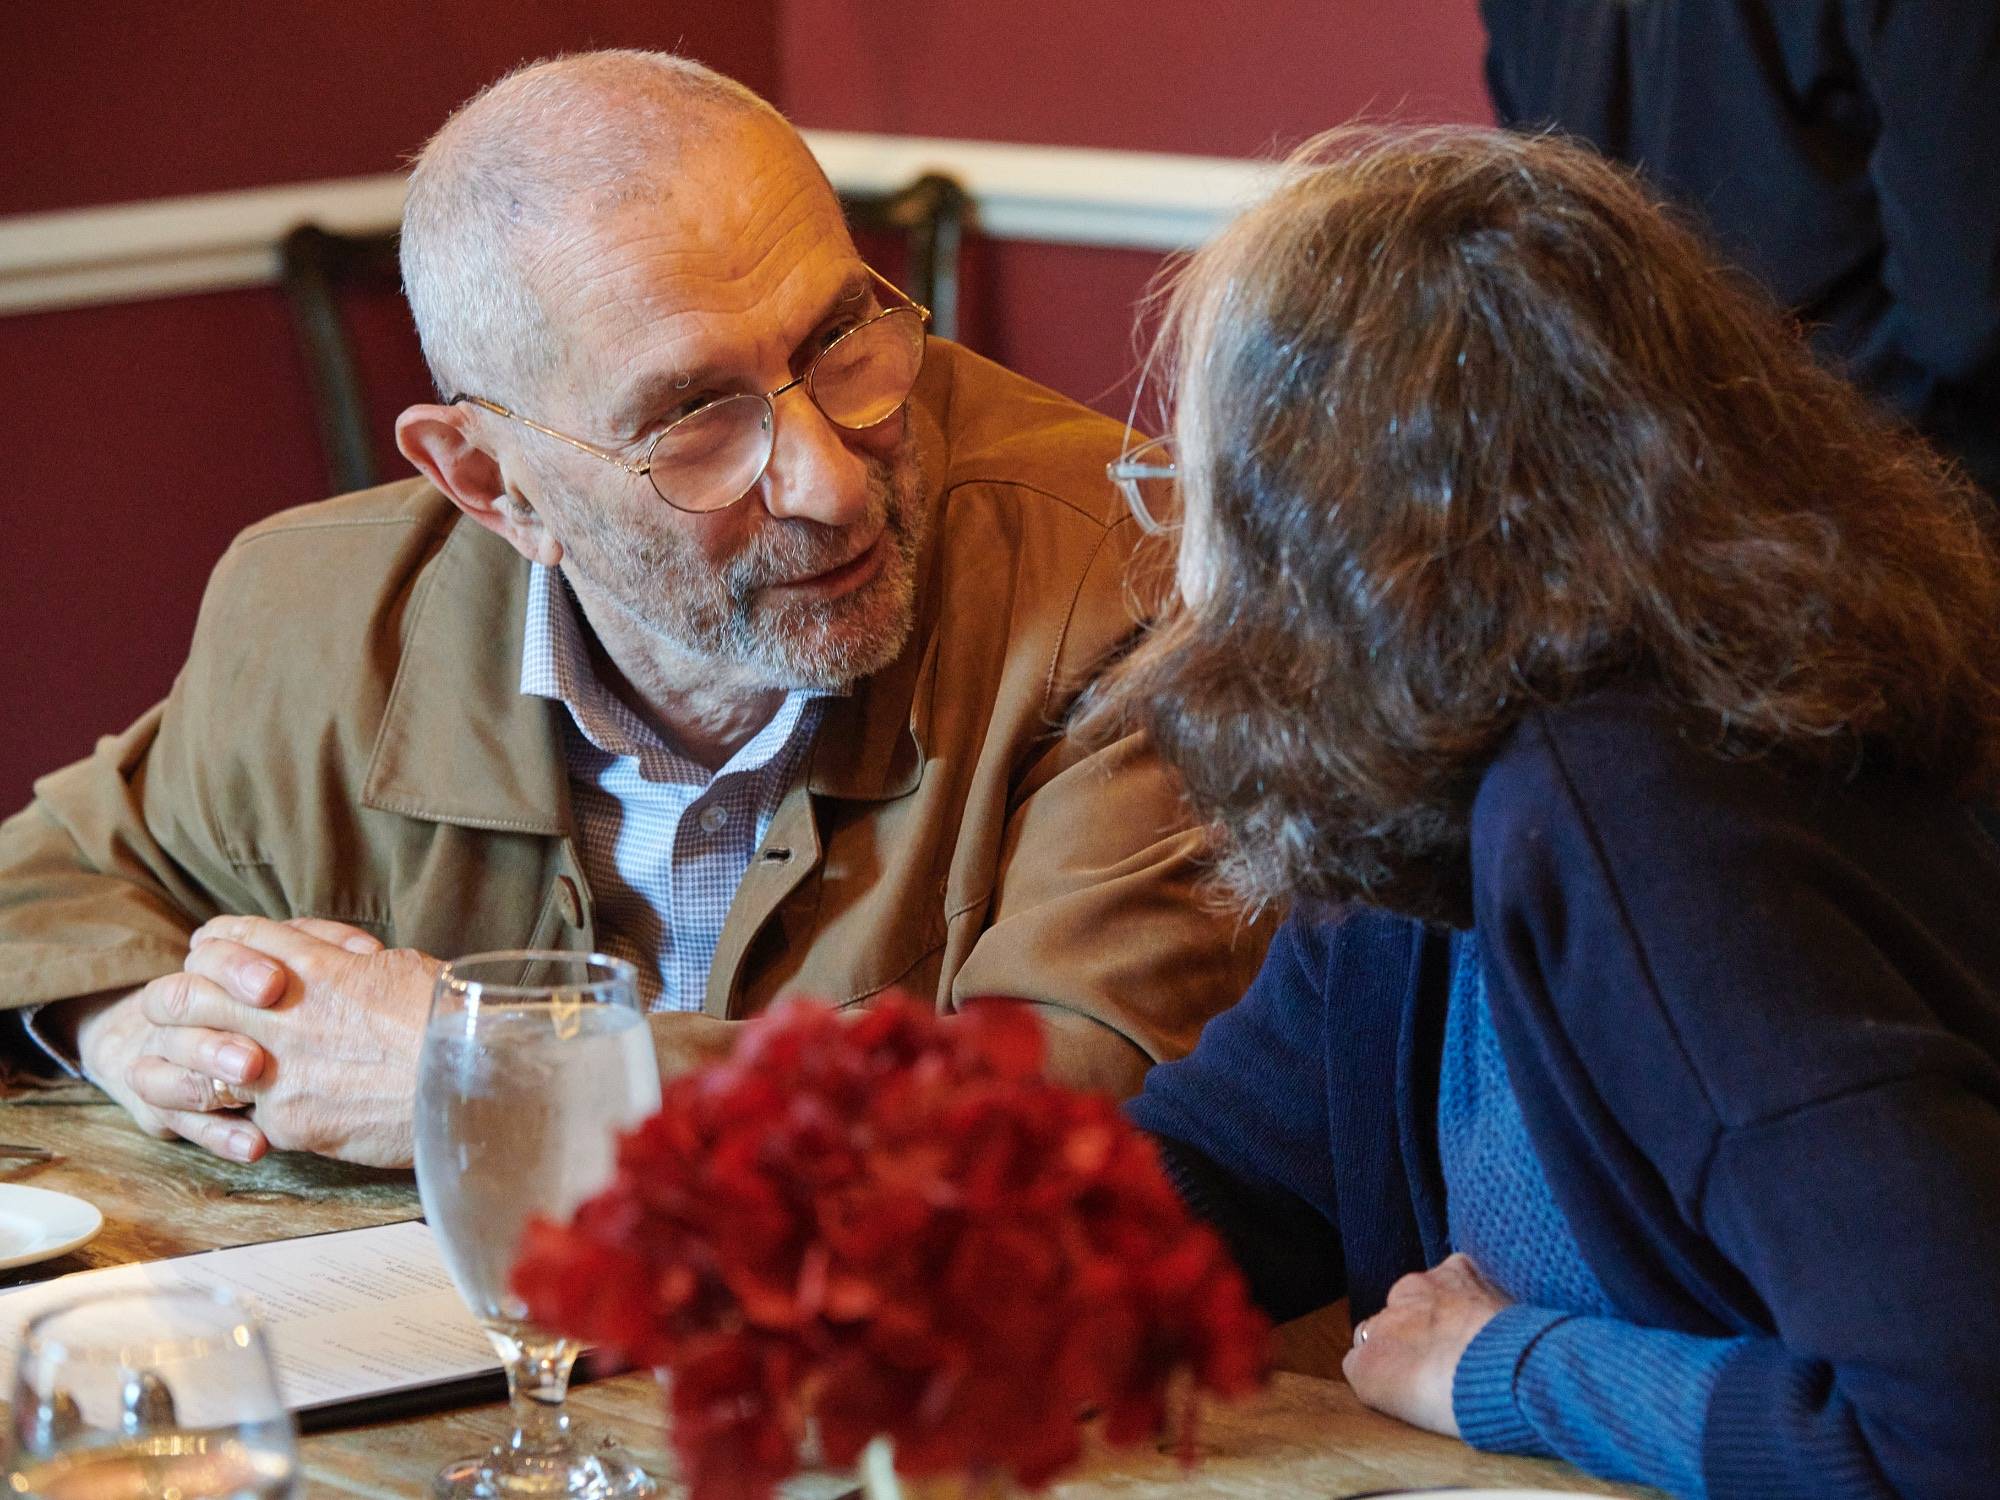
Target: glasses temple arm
pixel 638 470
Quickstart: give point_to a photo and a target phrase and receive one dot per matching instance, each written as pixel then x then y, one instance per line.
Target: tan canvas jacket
pixel 348 740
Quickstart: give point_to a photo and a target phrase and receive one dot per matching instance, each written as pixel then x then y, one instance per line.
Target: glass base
pixel 606 1473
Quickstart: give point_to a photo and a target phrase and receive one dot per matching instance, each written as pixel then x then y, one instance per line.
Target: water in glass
pixel 520 1115
pixel 532 1063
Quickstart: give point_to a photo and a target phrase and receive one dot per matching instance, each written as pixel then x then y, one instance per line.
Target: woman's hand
pixel 1404 1357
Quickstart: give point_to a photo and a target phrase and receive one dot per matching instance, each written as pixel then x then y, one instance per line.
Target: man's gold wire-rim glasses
pixel 711 457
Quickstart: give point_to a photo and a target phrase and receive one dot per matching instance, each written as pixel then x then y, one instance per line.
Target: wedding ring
pixel 222 1095
pixel 1361 1333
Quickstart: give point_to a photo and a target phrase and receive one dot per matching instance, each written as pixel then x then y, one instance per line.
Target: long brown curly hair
pixel 1469 425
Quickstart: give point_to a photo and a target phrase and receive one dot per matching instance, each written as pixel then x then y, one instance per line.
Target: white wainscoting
pixel 1054 194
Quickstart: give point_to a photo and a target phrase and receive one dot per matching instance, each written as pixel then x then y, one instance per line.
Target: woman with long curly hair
pixel 1604 687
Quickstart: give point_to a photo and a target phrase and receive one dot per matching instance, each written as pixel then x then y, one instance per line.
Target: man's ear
pixel 439 440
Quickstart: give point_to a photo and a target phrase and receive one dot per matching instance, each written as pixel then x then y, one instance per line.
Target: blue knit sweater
pixel 1558 1375
pixel 1751 1022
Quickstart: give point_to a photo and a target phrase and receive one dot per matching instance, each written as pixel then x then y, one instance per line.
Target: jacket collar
pixel 460 743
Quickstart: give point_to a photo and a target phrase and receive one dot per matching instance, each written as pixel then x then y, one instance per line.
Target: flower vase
pixel 880 1481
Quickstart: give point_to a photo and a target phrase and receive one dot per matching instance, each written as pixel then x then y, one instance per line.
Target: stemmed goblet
pixel 532 1063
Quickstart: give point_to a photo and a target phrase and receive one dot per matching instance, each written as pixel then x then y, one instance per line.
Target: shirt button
pixel 713 817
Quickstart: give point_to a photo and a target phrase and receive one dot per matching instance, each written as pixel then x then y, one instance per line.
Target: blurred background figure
pixel 1844 151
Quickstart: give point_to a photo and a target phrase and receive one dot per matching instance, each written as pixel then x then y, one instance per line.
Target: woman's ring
pixel 1361 1333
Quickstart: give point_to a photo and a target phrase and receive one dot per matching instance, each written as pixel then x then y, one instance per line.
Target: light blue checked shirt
pixel 664 843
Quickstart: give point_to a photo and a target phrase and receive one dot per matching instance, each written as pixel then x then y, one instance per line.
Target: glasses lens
pixel 1159 500
pixel 711 457
pixel 865 376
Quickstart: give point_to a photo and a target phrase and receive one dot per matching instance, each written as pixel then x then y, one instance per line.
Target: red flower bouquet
pixel 891 1224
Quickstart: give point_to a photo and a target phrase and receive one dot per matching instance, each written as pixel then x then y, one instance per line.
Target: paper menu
pixel 352 1315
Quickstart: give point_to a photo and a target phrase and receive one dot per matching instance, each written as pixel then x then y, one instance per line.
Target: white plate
pixel 36 1224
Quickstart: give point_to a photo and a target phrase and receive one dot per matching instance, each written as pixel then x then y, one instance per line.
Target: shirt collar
pixel 555 664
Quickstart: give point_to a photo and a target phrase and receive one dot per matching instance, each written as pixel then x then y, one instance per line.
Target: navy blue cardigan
pixel 1753 1022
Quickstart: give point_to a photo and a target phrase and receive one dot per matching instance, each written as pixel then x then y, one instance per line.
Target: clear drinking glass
pixel 531 1065
pixel 149 1395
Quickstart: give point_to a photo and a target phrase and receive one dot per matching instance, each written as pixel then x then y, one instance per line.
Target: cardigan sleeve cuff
pixel 1482 1388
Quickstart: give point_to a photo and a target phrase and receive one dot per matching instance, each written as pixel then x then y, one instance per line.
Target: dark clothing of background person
pixel 1846 152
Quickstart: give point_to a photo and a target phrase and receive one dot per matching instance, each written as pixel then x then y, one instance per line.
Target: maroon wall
pixel 136 439
pixel 1248 79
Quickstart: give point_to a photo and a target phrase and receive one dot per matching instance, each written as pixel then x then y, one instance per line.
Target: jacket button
pixel 570 900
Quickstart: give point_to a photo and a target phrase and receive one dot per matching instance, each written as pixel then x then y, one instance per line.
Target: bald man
pixel 731 628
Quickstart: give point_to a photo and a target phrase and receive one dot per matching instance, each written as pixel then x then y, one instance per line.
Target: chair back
pixel 319 270
pixel 931 215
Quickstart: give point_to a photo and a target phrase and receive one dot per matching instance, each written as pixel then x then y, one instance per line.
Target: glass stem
pixel 537 1381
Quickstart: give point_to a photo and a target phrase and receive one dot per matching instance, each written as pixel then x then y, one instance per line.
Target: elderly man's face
pixel 728 285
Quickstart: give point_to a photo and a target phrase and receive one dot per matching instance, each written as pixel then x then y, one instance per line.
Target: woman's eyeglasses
pixel 1149 479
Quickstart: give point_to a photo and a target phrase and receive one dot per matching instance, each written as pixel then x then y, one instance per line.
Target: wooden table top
pixel 1306 1435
